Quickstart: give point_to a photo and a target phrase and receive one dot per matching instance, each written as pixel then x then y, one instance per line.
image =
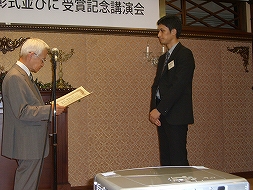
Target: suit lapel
pixel 177 48
pixel 31 84
pixel 174 52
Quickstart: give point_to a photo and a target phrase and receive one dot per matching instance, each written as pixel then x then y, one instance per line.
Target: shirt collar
pixel 23 67
pixel 173 47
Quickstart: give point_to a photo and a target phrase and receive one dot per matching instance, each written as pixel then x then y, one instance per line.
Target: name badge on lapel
pixel 171 65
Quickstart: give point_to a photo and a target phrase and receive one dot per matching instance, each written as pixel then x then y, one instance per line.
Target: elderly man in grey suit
pixel 26 116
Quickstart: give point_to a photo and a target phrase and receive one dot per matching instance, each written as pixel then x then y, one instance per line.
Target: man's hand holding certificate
pixel 72 97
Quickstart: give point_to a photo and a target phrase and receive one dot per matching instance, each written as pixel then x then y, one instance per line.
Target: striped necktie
pixel 167 56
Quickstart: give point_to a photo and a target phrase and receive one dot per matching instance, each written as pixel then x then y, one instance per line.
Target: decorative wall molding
pixel 244 52
pixel 6 44
pixel 187 32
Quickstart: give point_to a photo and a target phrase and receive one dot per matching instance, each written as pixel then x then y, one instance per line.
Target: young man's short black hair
pixel 171 22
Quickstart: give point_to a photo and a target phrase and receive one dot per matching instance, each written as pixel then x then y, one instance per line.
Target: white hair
pixel 33 45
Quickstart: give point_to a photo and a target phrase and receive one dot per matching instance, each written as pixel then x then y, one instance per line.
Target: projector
pixel 169 178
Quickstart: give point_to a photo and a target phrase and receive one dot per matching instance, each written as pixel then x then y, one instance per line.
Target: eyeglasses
pixel 42 59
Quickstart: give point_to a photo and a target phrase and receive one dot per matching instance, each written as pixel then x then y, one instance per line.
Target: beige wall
pixel 109 129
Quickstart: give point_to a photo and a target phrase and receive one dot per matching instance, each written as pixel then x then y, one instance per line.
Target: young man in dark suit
pixel 26 116
pixel 171 108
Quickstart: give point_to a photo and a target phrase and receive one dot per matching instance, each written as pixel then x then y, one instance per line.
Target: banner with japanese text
pixel 102 13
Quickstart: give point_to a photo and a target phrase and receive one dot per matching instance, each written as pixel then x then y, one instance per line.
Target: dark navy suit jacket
pixel 175 86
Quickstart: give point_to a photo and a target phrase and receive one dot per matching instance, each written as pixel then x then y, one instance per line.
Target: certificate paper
pixel 72 97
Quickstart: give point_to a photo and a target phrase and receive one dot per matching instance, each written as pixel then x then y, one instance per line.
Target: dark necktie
pixel 31 77
pixel 35 86
pixel 167 56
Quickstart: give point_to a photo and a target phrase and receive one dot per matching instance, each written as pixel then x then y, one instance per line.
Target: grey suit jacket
pixel 25 117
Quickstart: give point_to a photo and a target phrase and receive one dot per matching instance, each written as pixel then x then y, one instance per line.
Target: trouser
pixel 27 174
pixel 172 144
